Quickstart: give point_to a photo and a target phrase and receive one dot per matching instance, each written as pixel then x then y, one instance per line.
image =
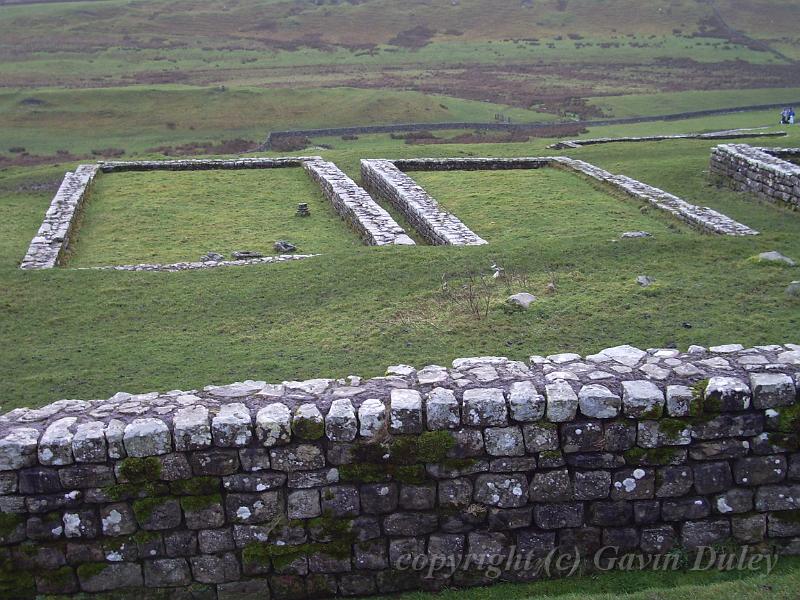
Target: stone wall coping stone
pixel 558 388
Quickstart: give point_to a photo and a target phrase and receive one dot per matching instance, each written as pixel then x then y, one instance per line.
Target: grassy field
pixel 357 309
pixel 165 217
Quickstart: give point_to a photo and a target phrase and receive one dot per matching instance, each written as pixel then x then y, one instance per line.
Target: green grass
pixel 536 206
pixel 354 310
pixel 644 585
pixel 165 216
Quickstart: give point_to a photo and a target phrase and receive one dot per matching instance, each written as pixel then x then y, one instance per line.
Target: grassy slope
pixel 356 310
pixel 171 217
pixel 169 115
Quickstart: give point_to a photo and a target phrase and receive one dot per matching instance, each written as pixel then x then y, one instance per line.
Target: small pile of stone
pixel 302 210
pixel 212 257
pixel 283 246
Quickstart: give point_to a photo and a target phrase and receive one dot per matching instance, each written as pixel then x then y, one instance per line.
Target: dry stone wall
pixel 337 487
pixel 386 178
pixel 731 134
pixel 47 247
pixel 356 206
pixel 436 225
pixel 762 171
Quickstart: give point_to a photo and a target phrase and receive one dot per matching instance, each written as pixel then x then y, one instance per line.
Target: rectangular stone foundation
pixel 387 179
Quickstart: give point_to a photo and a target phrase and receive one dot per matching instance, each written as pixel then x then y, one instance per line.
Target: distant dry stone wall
pixel 762 171
pixel 387 179
pixel 731 134
pixel 317 488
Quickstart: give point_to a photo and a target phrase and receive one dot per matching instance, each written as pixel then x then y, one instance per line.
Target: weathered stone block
pixel 18 449
pixel 633 484
pixel 592 485
pixel 526 403
pixel 55 446
pixel 541 437
pixel 695 534
pixel 712 477
pixel 598 402
pixel 642 399
pixel 371 418
pixel 274 425
pixel 726 394
pixel 760 470
pixel 485 407
pixel 504 441
pixel 215 568
pixel 558 516
pixel 341 501
pixel 300 457
pixel 551 486
pixel 252 509
pixel 89 442
pixel 214 462
pixel 414 524
pixel 341 424
pixel 147 437
pixel 95 577
pixel 582 436
pixel 190 428
pixel 562 402
pixel 378 498
pixel 672 482
pixel 307 422
pixel 117 519
pixel 771 390
pixel 684 509
pixel 405 411
pixel 167 572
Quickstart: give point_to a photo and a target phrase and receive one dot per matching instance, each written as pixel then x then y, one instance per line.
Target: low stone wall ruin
pixel 387 179
pixel 439 227
pixel 356 206
pixel 335 487
pixel 48 246
pixel 731 134
pixel 761 171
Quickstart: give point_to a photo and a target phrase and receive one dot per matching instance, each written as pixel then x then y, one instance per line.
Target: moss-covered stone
pixel 9 523
pixel 59 579
pixel 129 491
pixel 16 584
pixel 140 470
pixel 89 570
pixel 308 429
pixel 672 427
pixel 789 419
pixel 196 486
pixel 198 503
pixel 143 509
pixel 651 456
